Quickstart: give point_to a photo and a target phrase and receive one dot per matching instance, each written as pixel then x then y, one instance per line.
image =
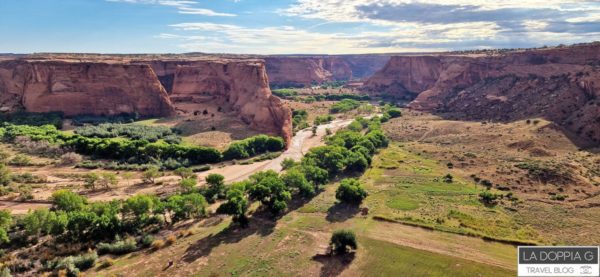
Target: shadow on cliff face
pixel 574 111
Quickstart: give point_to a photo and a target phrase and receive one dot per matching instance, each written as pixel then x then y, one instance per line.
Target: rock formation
pixel 560 84
pixel 242 85
pixel 108 85
pixel 76 88
pixel 294 71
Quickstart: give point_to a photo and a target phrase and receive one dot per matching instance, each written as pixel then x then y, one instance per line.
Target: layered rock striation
pixel 560 84
pixel 298 71
pixel 106 85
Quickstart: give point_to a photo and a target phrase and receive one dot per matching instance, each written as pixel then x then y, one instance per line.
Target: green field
pixel 409 188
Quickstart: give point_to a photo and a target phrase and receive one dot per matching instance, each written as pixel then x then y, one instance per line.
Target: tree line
pixel 140 150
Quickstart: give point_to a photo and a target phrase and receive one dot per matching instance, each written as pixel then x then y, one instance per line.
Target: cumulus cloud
pixel 376 26
pixel 455 24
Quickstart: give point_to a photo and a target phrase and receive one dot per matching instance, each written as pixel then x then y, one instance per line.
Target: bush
pixel 34 119
pixel 20 160
pixel 288 163
pixel 68 201
pixel 147 240
pixel 132 131
pixel 350 191
pixel 488 197
pixel 343 240
pixel 253 146
pixel 5 176
pixel 157 244
pixel 107 262
pixel 171 239
pixel 118 247
pixel 345 105
pixel 70 158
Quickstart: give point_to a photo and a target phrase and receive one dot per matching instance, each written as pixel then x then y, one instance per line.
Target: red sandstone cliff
pixel 560 84
pixel 242 85
pixel 285 71
pixel 82 88
pixel 108 85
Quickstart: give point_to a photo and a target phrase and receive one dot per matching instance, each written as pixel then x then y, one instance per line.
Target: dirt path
pixel 301 142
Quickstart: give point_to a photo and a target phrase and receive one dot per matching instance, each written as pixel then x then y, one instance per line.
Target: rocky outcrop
pixel 560 84
pixel 297 71
pixel 76 88
pixel 240 85
pixel 108 85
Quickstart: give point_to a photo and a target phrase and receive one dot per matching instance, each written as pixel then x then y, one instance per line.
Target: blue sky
pixel 291 26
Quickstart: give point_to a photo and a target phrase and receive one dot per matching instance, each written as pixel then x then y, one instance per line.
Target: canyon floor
pixel 417 222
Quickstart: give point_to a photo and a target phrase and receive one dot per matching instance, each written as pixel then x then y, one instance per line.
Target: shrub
pixel 350 191
pixel 70 158
pixel 107 262
pixel 158 244
pixel 20 160
pixel 147 240
pixel 150 175
pixel 5 176
pixel 117 247
pixel 448 178
pixel 68 201
pixel 288 163
pixel 344 106
pixel 343 240
pixel 171 239
pixel 488 197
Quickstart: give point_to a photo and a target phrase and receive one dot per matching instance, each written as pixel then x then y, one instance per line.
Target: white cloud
pixel 184 6
pixel 188 10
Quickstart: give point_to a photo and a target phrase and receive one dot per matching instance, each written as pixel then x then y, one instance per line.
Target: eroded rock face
pixel 560 84
pixel 241 85
pixel 107 85
pixel 291 71
pixel 76 88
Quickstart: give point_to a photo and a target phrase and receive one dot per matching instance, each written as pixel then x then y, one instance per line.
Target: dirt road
pixel 301 142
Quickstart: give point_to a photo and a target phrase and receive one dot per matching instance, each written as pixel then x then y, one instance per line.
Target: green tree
pixel 141 206
pixel 188 185
pixel 4 175
pixel 236 205
pixel 314 174
pixel 108 179
pixel 66 200
pixel 295 179
pixel 186 206
pixel 343 240
pixel 271 192
pixel 216 186
pixel 184 172
pixel 151 174
pixel 356 163
pixel 6 221
pixel 288 163
pixel 127 176
pixel 90 180
pixel 350 191
pixel 38 221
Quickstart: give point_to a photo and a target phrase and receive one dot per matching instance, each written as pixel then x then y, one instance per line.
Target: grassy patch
pixel 410 188
pixel 387 259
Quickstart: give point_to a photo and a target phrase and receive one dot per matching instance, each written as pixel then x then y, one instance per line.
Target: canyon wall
pixel 559 84
pixel 296 71
pixel 241 85
pixel 109 85
pixel 76 88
